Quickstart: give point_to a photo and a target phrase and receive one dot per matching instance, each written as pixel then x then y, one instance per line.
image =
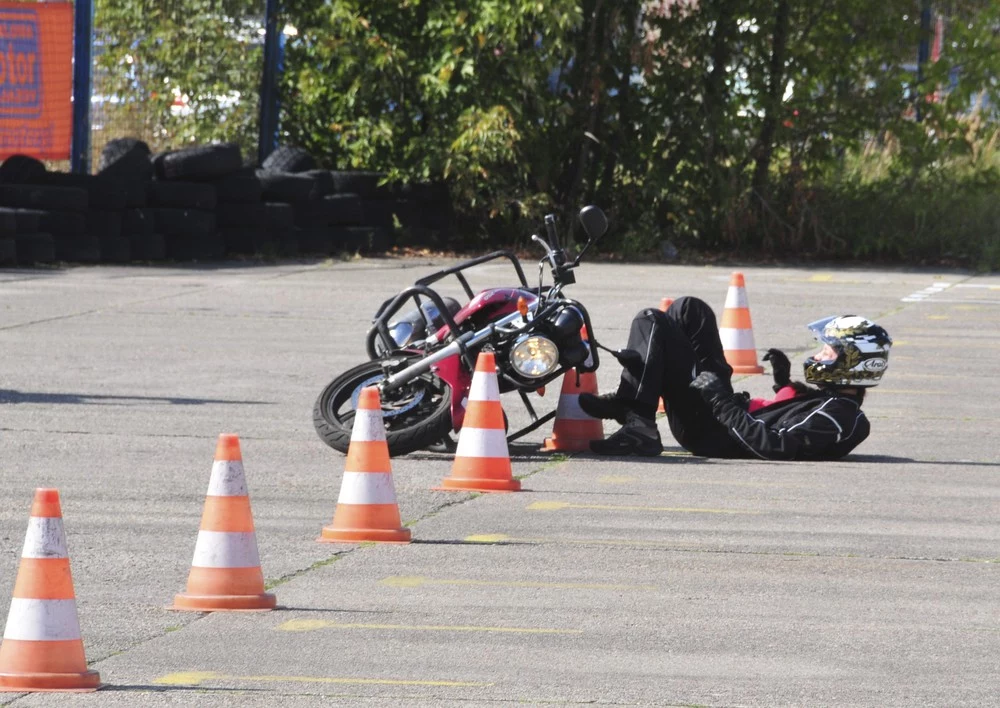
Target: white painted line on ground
pixel 922 295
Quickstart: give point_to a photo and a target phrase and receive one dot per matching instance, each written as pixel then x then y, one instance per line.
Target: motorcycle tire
pixel 402 436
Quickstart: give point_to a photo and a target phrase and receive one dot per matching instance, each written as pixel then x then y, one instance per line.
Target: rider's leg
pixel 691 420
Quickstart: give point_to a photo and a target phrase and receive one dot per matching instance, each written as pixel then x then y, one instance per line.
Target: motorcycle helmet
pixel 856 352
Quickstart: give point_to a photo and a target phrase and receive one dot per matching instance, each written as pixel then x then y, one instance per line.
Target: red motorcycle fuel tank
pixel 487 306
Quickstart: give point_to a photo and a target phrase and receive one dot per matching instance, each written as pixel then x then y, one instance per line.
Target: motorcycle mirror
pixel 594 222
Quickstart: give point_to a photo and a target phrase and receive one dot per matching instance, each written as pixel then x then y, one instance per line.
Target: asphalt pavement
pixel 871 581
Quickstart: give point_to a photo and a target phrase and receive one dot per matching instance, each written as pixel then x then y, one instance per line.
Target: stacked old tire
pixel 185 202
pixel 41 222
pixel 202 203
pixel 125 161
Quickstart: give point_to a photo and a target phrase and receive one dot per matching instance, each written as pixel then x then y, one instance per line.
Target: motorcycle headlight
pixel 534 356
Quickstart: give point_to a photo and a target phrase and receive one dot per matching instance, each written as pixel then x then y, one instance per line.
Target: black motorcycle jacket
pixel 817 425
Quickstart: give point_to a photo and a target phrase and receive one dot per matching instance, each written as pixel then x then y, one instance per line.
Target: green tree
pixel 179 72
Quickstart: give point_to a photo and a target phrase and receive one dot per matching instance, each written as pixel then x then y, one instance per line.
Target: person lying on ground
pixel 678 355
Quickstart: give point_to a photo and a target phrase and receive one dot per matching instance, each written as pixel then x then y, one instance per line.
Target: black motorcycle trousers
pixel 669 349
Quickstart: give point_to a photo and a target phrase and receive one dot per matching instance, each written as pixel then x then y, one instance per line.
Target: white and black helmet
pixel 862 352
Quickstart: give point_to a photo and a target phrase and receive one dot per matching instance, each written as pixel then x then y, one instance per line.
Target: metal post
pixel 923 52
pixel 269 102
pixel 82 41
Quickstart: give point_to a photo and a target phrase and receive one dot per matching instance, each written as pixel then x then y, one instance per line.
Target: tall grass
pixel 882 205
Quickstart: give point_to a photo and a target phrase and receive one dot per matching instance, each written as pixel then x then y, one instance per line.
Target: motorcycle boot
pixel 638 436
pixel 606 406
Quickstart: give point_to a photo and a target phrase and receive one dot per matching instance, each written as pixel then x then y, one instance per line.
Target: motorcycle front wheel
pixel 416 415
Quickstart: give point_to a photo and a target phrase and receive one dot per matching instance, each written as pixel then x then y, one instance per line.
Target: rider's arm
pixel 818 429
pixel 817 426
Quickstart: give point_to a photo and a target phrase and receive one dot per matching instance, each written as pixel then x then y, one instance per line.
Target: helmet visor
pixel 818 328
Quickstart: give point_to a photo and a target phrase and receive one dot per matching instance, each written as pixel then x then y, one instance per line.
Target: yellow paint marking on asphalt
pixel 187 678
pixel 821 278
pixel 937 317
pixel 615 479
pixel 312 625
pixel 196 678
pixel 488 538
pixel 559 506
pixel 403 581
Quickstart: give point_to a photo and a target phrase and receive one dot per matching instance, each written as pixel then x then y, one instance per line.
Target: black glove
pixel 710 386
pixel 715 392
pixel 781 368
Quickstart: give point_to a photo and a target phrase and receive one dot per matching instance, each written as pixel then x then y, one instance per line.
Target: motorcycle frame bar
pixel 459 346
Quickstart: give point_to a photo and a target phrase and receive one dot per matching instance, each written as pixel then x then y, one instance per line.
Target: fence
pixel 184 72
pixel 171 73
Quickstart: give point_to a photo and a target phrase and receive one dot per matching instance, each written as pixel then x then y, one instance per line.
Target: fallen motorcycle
pixel 422 360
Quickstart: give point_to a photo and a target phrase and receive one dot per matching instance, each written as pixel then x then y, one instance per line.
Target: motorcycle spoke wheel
pixel 415 415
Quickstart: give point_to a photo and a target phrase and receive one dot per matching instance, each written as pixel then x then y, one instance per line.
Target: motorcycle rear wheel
pixel 416 415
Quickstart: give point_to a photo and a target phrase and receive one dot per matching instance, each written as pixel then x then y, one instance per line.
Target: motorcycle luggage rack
pixel 380 325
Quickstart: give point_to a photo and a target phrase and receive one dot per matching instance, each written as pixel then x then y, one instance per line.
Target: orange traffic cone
pixel 225 573
pixel 367 508
pixel 665 304
pixel 574 429
pixel 482 461
pixel 42 648
pixel 736 331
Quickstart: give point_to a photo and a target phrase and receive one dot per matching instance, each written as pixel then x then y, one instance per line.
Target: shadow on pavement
pixel 910 461
pixel 155 688
pixel 92 399
pixel 289 608
pixel 457 542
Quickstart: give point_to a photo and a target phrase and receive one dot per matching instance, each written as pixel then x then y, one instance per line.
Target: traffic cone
pixel 665 304
pixel 482 462
pixel 736 331
pixel 225 573
pixel 42 649
pixel 574 429
pixel 367 508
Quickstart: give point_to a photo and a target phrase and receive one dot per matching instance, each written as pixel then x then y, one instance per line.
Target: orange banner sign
pixel 36 79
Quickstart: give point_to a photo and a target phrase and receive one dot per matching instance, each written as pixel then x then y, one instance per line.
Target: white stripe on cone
pixel 368 426
pixel 367 488
pixel 736 297
pixel 227 479
pixel 226 549
pixel 484 387
pixel 42 620
pixel 569 407
pixel 481 442
pixel 45 538
pixel 733 339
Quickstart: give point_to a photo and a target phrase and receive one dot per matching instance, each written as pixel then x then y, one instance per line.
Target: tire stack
pixel 332 217
pixel 102 238
pixel 362 198
pixel 21 242
pixel 21 239
pixel 56 210
pixel 184 198
pixel 127 162
pixel 291 185
pixel 239 212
